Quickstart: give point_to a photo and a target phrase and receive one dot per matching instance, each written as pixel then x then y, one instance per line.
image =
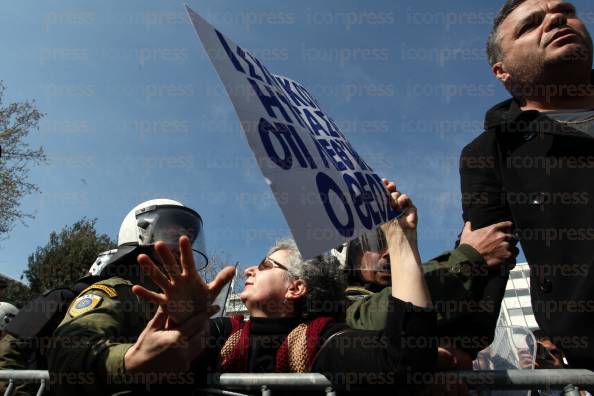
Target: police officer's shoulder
pixel 114 282
pixel 111 287
pixel 94 296
pixel 358 291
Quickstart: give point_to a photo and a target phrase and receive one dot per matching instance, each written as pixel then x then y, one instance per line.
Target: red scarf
pixel 295 354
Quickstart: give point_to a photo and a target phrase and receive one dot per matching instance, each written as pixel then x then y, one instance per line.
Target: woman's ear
pixel 296 290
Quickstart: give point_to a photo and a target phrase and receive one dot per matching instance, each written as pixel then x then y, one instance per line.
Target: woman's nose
pixel 250 271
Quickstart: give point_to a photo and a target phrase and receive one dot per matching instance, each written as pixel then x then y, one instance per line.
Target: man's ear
pixel 500 73
pixel 296 290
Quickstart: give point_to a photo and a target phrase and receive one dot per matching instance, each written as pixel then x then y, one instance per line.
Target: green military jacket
pixel 453 278
pixel 87 353
pixel 15 355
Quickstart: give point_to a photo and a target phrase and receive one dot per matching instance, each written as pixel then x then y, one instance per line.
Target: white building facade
pixel 516 308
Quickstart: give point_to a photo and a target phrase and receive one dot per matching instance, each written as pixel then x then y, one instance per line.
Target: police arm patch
pixel 110 291
pixel 84 304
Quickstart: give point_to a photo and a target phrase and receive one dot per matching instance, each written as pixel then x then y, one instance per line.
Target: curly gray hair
pixel 322 276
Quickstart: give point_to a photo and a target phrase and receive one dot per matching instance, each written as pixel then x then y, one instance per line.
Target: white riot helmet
pixel 164 220
pixel 7 312
pixel 341 252
pixel 101 262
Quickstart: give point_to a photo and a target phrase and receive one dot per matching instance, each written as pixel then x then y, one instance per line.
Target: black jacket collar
pixel 273 325
pixel 508 117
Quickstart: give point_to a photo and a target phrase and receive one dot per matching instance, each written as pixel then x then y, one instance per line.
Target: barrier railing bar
pixel 274 380
pixel 267 382
pixel 215 391
pixel 24 375
pixel 522 379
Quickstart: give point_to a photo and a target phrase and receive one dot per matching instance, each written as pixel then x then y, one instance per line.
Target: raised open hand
pixel 184 293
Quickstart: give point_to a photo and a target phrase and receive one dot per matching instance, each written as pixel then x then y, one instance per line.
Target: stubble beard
pixel 536 77
pixel 572 66
pixel 526 75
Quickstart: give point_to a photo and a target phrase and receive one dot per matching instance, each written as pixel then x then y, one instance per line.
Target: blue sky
pixel 134 109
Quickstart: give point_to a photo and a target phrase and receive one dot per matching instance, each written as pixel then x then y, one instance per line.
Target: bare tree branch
pixel 17 120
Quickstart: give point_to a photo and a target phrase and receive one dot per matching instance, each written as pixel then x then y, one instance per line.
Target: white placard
pixel 326 191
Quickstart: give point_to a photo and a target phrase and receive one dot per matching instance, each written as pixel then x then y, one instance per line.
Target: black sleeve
pixel 206 365
pixel 407 345
pixel 483 196
pixel 483 203
pixel 220 328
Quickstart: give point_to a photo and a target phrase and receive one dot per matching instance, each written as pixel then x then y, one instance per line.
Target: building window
pixel 527 311
pixel 515 274
pixel 516 312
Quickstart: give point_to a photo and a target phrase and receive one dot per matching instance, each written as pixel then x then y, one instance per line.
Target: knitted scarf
pixel 295 355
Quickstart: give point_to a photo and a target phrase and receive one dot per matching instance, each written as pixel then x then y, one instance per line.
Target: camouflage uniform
pixel 29 333
pixel 15 355
pixel 87 353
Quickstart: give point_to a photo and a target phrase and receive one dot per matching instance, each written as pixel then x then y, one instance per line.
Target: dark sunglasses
pixel 268 263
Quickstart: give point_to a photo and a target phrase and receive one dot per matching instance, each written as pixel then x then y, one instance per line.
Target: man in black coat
pixel 534 165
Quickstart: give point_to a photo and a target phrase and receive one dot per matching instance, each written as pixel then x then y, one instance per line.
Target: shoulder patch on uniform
pixel 356 290
pixel 84 303
pixel 110 291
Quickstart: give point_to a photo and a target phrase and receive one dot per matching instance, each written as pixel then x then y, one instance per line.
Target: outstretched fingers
pixel 150 296
pixel 187 257
pixel 168 259
pixel 223 277
pixel 150 268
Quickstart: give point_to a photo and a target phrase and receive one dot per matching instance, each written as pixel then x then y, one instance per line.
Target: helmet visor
pixel 168 223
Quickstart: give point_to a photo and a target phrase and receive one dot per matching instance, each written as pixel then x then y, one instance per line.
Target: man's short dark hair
pixel 494 53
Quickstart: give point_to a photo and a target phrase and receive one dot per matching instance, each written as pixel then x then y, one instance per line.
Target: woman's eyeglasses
pixel 268 263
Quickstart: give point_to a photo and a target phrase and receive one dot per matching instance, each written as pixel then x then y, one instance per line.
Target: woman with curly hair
pixel 294 324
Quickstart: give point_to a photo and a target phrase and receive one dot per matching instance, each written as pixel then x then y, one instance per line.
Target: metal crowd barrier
pixel 267 382
pixel 486 381
pixel 17 376
pixel 481 381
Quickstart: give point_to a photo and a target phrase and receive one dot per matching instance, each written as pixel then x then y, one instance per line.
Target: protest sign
pixel 326 191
